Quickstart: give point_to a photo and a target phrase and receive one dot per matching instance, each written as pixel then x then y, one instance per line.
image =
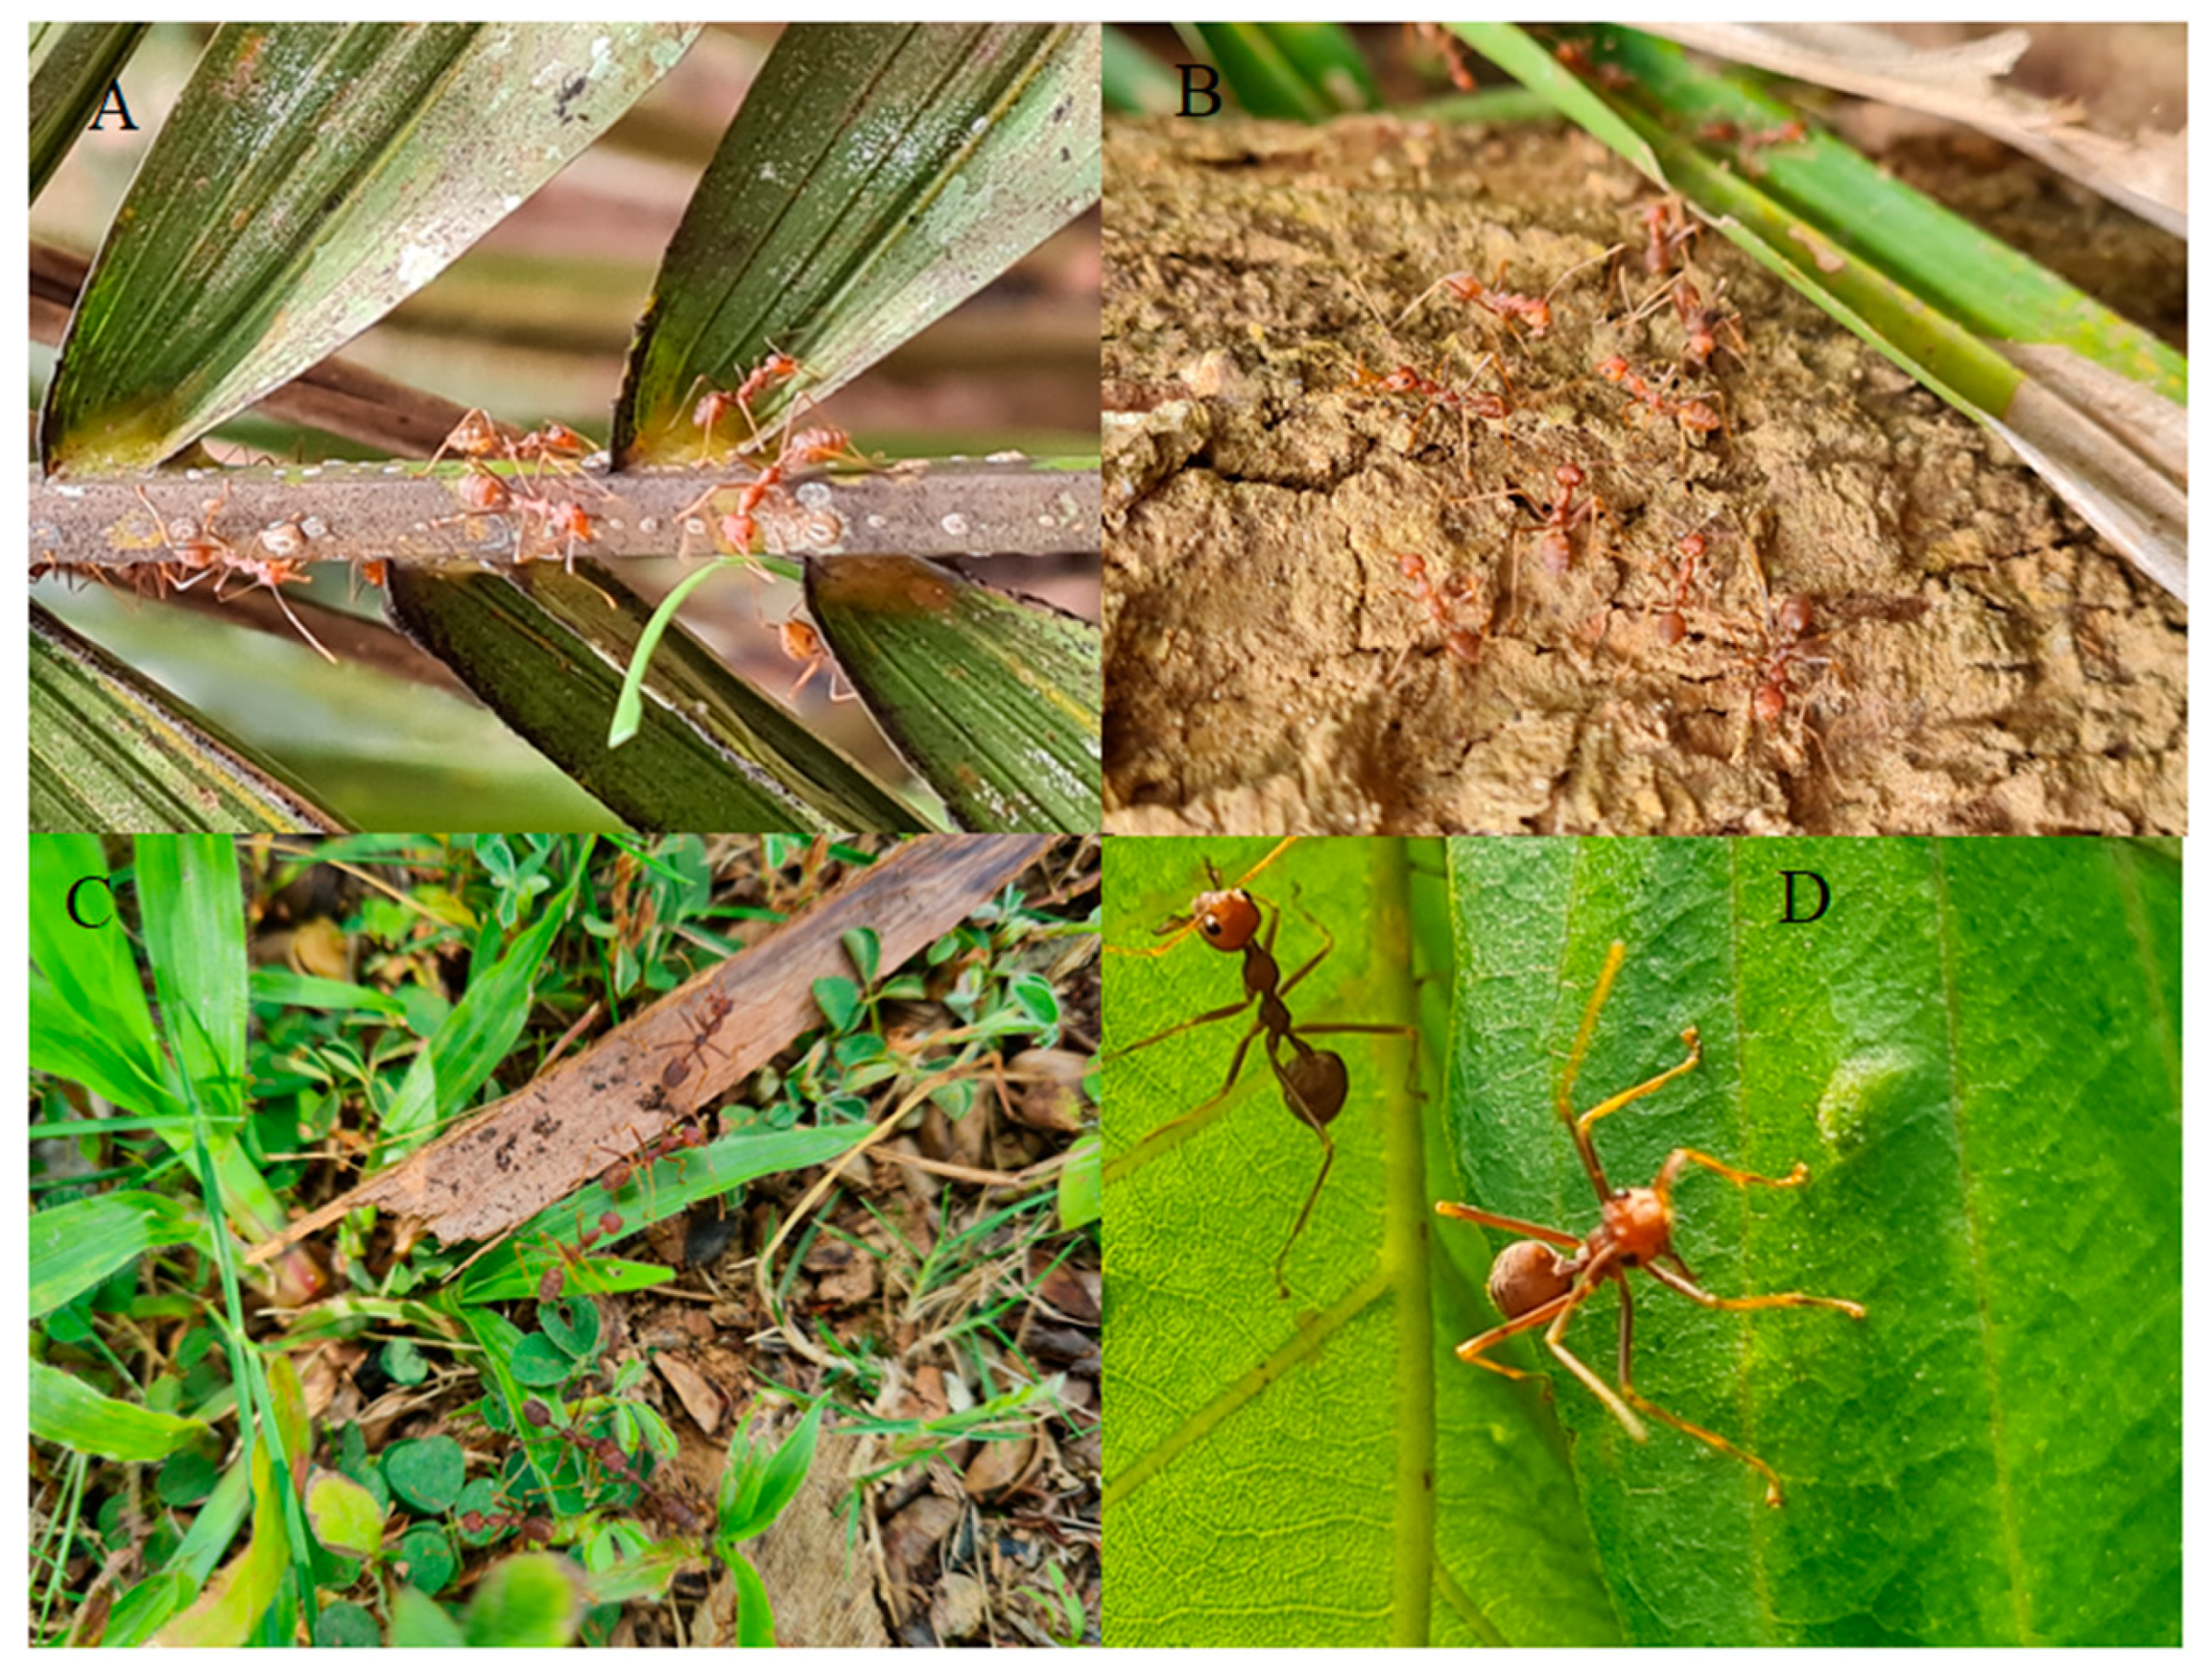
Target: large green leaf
pixel 713 753
pixel 995 699
pixel 311 177
pixel 1976 1054
pixel 110 752
pixel 877 176
pixel 1315 1470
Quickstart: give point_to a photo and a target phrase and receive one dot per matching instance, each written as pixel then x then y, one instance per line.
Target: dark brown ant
pixel 1531 1283
pixel 1315 1082
pixel 607 1452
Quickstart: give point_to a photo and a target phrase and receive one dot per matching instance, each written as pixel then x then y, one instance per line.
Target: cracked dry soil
pixel 1977 659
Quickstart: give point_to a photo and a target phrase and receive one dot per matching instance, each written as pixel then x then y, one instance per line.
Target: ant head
pixel 1227 919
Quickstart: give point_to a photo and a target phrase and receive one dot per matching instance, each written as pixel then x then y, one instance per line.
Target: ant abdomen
pixel 1524 1275
pixel 1317 1084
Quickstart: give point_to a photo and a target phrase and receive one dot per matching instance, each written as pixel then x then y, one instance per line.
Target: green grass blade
pixel 194 923
pixel 994 700
pixel 76 1246
pixel 311 177
pixel 89 1020
pixel 66 1412
pixel 72 66
pixel 712 755
pixel 1132 81
pixel 875 176
pixel 1307 72
pixel 110 752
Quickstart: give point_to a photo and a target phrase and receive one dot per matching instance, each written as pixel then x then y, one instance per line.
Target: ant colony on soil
pixel 1457 480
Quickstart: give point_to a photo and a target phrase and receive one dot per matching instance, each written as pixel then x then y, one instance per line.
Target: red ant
pixel 478 436
pixel 1672 625
pixel 1789 641
pixel 199 552
pixel 1667 229
pixel 802 644
pixel 1482 405
pixel 1694 415
pixel 772 368
pixel 1315 1082
pixel 1441 603
pixel 1556 548
pixel 1702 327
pixel 1505 306
pixel 484 491
pixel 1533 1285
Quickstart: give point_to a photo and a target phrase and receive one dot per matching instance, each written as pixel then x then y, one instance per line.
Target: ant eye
pixel 1210 926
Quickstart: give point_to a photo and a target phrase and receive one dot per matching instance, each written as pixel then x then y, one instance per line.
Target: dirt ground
pixel 1895 626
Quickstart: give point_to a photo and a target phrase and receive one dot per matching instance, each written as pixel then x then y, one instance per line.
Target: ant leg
pixel 1647 1086
pixel 1191 1024
pixel 1510 1224
pixel 1698 1295
pixel 1603 1393
pixel 1236 1065
pixel 1712 1440
pixel 1472 1351
pixel 1664 1186
pixel 1328 1157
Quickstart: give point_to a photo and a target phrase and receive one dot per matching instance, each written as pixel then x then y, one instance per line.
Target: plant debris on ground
pixel 704 1396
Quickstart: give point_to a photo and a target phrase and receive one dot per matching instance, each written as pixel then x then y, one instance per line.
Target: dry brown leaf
pixel 550 1137
pixel 693 1390
pixel 2146 172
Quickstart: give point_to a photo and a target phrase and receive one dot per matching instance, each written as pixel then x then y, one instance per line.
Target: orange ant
pixel 1505 306
pixel 1463 644
pixel 1533 1285
pixel 1703 326
pixel 802 644
pixel 1315 1082
pixel 1666 230
pixel 478 436
pixel 1482 405
pixel 1673 625
pixel 771 370
pixel 1557 522
pixel 198 552
pixel 1693 415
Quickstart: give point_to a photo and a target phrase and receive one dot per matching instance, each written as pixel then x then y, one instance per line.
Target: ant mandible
pixel 1315 1082
pixel 1532 1285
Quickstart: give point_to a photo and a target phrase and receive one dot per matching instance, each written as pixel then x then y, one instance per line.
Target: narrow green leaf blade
pixel 66 1412
pixel 110 752
pixel 75 1246
pixel 547 650
pixel 311 177
pixel 72 65
pixel 193 922
pixel 994 699
pixel 877 176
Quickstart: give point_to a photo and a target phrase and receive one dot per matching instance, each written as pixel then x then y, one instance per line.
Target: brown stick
pixel 547 1138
